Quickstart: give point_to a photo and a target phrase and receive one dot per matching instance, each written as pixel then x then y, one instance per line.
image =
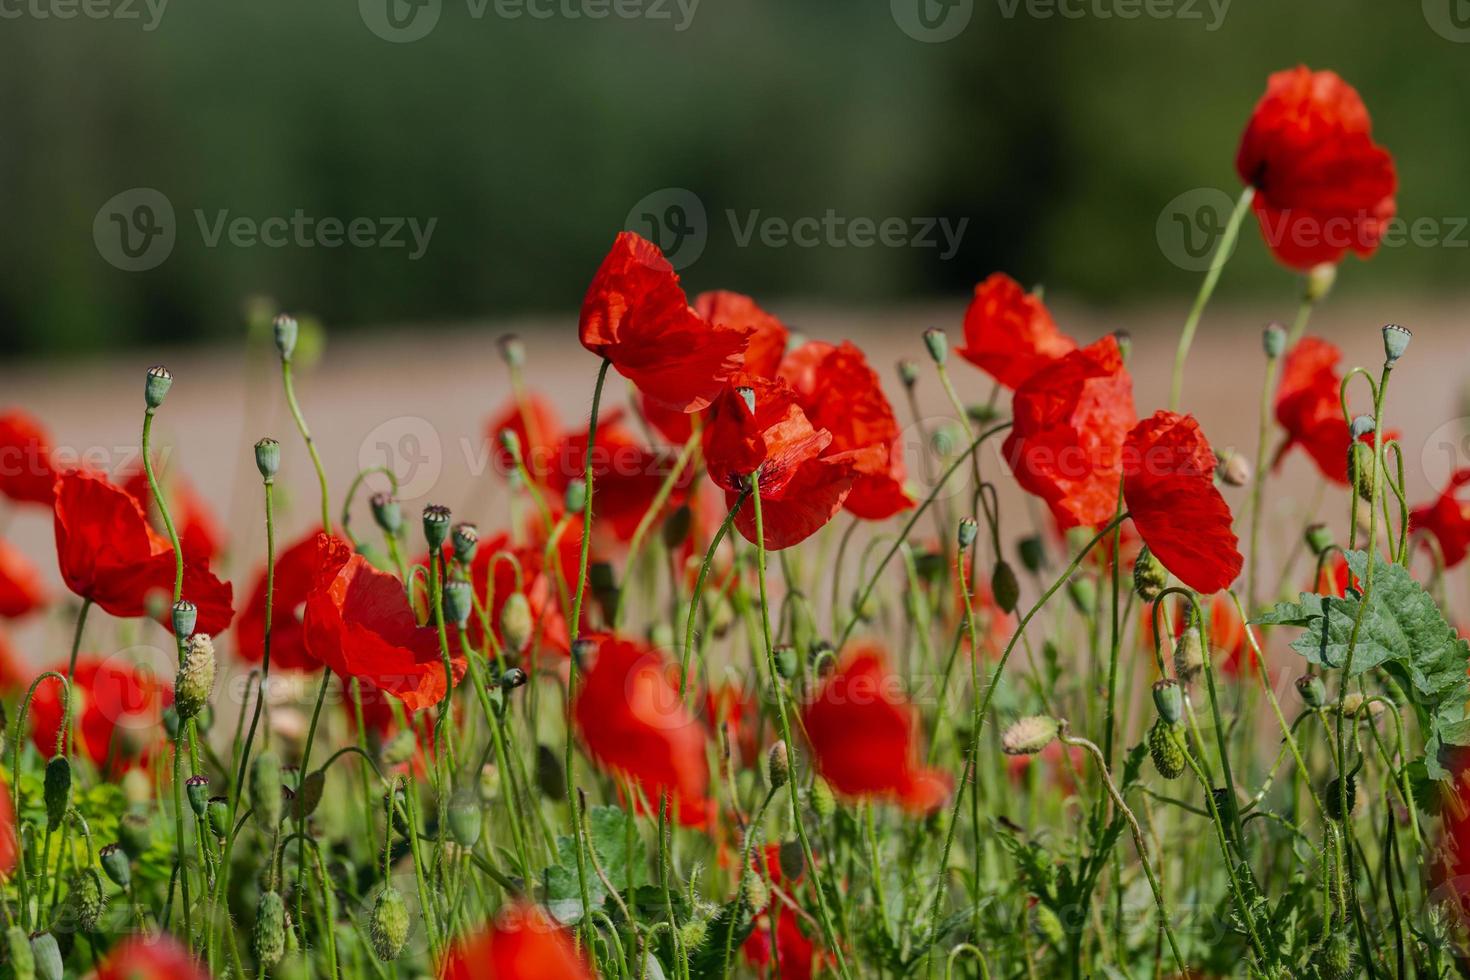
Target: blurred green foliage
pixel 529 140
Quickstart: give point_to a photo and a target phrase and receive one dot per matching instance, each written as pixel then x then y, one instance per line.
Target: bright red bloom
pixel 1169 487
pixel 27 472
pixel 200 534
pixel 108 553
pixel 1309 408
pixel 768 335
pixel 20 583
pixel 627 475
pixel 549 623
pixel 861 729
pixel 522 944
pixel 9 842
pixel 296 573
pixel 536 425
pixel 1066 444
pixel 117 701
pixel 636 315
pixel 148 957
pixel 1448 519
pixel 1009 334
pixel 15 673
pixel 1334 577
pixel 1322 185
pixel 358 622
pixel 840 393
pixel 633 722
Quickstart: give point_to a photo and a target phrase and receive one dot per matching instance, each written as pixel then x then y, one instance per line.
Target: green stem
pixel 316 459
pixel 1223 248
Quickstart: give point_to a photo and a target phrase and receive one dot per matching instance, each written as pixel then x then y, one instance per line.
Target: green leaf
pixel 1404 633
pixel 607 835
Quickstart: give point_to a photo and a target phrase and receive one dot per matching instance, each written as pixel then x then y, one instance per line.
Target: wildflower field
pixel 755 676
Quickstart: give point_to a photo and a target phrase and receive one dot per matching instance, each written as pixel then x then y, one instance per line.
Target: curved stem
pixel 1223 248
pixel 316 459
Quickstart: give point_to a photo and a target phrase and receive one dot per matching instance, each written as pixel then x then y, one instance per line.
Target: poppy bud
pixel 388 928
pixel 137 787
pixel 549 775
pixel 1233 469
pixel 937 345
pixel 693 934
pixel 436 527
pixel 1336 957
pixel 1273 339
pixel 510 441
pixel 1048 924
pixel 195 680
pixel 1332 797
pixel 85 902
pixel 981 413
pixel 1313 692
pixel 1395 341
pixel 1004 586
pixel 310 796
pixel 512 679
pixel 285 329
pixel 458 602
pixel 968 531
pixel 386 512
pixel 823 803
pixel 1033 553
pixel 265 789
pixel 791 859
pixel 1029 735
pixel 114 861
pixel 908 372
pixel 489 782
pixel 464 819
pixel 185 618
pixel 47 955
pixel 466 537
pixel 268 937
pixel 1189 656
pixel 1165 751
pixel 1360 468
pixel 219 816
pixel 156 385
pixel 516 623
pixel 1319 538
pixel 753 891
pixel 574 499
pixel 676 526
pixel 786 660
pixel 135 833
pixel 778 765
pixel 512 349
pixel 57 791
pixel 20 962
pixel 1083 593
pixel 268 459
pixel 1150 577
pixel 196 788
pixel 1169 700
pixel 1317 283
pixel 930 564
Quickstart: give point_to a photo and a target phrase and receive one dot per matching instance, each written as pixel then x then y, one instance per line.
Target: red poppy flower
pixel 121 709
pixel 840 393
pixel 633 722
pixel 1169 487
pixel 536 425
pixel 1066 444
pixel 522 944
pixel 1322 185
pixel 626 474
pixel 1309 407
pixel 200 534
pixel 15 672
pixel 296 573
pixel 1448 519
pixel 549 626
pixel 1334 577
pixel 358 622
pixel 27 472
pixel 20 583
pixel 636 315
pixel 109 554
pixel 1009 334
pixel 150 957
pixel 768 335
pixel 9 842
pixel 861 729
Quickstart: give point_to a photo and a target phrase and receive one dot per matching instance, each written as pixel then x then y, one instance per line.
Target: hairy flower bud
pixel 388 927
pixel 1029 735
pixel 1312 690
pixel 1033 553
pixel 156 385
pixel 778 765
pixel 265 790
pixel 85 901
pixel 1004 586
pixel 194 682
pixel 1165 751
pixel 1332 797
pixel 1150 577
pixel 516 623
pixel 824 804
pixel 753 891
pixel 309 796
pixel 574 499
pixel 57 791
pixel 1189 656
pixel 268 937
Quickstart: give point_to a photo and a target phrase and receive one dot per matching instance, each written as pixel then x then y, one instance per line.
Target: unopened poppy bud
pixel 1319 538
pixel 1165 751
pixel 465 538
pixel 464 818
pixel 551 778
pixel 1318 282
pixel 908 372
pixel 313 787
pixel 516 622
pixel 1005 588
pixel 400 747
pixel 194 682
pixel 512 679
pixel 1360 468
pixel 512 349
pixel 1169 700
pixel 219 816
pixel 185 618
pixel 1150 577
pixel 937 344
pixel 387 512
pixel 968 531
pixel 436 527
pixel 268 459
pixel 1233 469
pixel 791 859
pixel 824 804
pixel 268 937
pixel 458 602
pixel 47 955
pixel 1083 593
pixel 677 526
pixel 930 564
pixel 156 385
pixel 285 329
pixel 1395 341
pixel 1337 956
pixel 388 926
pixel 778 765
pixel 1313 692
pixel 510 441
pixel 265 790
pixel 85 901
pixel 1048 924
pixel 1033 553
pixel 114 861
pixel 135 833
pixel 1189 656
pixel 196 788
pixel 1029 735
pixel 1273 340
pixel 575 497
pixel 20 962
pixel 693 934
pixel 787 662
pixel 1332 797
pixel 753 891
pixel 56 791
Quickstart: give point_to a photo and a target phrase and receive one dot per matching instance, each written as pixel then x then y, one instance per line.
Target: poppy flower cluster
pixel 1447 519
pixel 118 711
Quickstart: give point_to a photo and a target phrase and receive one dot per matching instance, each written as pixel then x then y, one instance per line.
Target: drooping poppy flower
pixel 27 469
pixel 1066 444
pixel 522 944
pixel 200 532
pixel 108 553
pixel 296 573
pixel 1009 334
pixel 150 957
pixel 358 622
pixel 1448 519
pixel 839 392
pixel 1323 187
pixel 861 729
pixel 1169 488
pixel 633 722
pixel 636 315
pixel 121 710
pixel 537 428
pixel 627 475
pixel 20 583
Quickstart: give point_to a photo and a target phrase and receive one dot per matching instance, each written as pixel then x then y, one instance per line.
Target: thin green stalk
pixel 316 459
pixel 1223 248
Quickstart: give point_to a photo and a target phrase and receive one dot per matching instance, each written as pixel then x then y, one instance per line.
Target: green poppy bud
pixel 265 790
pixel 1319 538
pixel 386 512
pixel 115 865
pixel 1029 736
pixel 268 937
pixel 135 833
pixel 1189 656
pixel 516 623
pixel 156 385
pixel 693 933
pixel 466 538
pixel 196 788
pixel 285 329
pixel 574 499
pixel 1360 468
pixel 1395 341
pixel 464 819
pixel 1336 957
pixel 268 459
pixel 436 527
pixel 57 791
pixel 753 891
pixel 1165 751
pixel 1312 690
pixel 1274 340
pixel 194 682
pixel 219 816
pixel 185 618
pixel 512 679
pixel 1082 590
pixel 1048 924
pixel 823 803
pixel 1004 586
pixel 1317 283
pixel 20 961
pixel 549 775
pixel 787 662
pixel 676 526
pixel 1169 700
pixel 1150 577
pixel 309 796
pixel 1332 797
pixel 937 344
pixel 459 602
pixel 388 927
pixel 968 531
pixel 512 350
pixel 791 859
pixel 47 956
pixel 85 902
pixel 1033 553
pixel 908 373
pixel 778 765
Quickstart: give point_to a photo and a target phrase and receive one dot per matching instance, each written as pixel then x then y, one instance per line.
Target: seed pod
pixel 156 385
pixel 265 790
pixel 464 819
pixel 823 803
pixel 1335 957
pixel 1312 690
pixel 309 797
pixel 1029 736
pixel 268 459
pixel 47 956
pixel 778 765
pixel 436 527
pixel 57 791
pixel 185 618
pixel 114 861
pixel 937 344
pixel 1004 586
pixel 753 891
pixel 1395 342
pixel 791 859
pixel 1033 553
pixel 387 513
pixel 135 833
pixel 285 330
pixel 388 928
pixel 85 902
pixel 967 532
pixel 466 538
pixel 195 680
pixel 1150 577
pixel 459 602
pixel 516 622
pixel 1332 797
pixel 268 937
pixel 219 816
pixel 1165 751
pixel 1169 700
pixel 20 962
